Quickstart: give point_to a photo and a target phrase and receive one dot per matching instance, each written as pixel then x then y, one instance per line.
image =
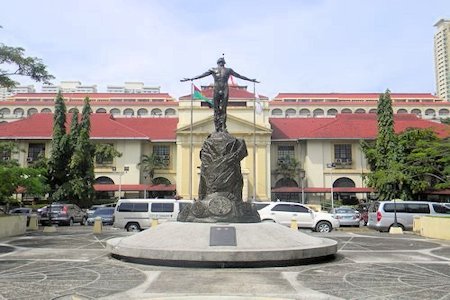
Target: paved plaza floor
pixel 73 264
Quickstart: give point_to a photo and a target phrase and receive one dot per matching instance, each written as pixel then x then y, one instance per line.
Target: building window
pixel 34 150
pixel 104 154
pixel 343 154
pixel 285 152
pixel 5 154
pixel 162 152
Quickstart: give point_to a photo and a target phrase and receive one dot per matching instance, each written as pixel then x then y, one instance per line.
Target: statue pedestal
pixel 244 245
pixel 220 189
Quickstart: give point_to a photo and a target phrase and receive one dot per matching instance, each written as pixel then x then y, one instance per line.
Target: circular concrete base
pixel 189 244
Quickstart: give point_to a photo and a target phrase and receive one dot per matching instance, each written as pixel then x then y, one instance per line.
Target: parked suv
pixel 137 214
pixel 381 214
pixel 63 214
pixel 284 212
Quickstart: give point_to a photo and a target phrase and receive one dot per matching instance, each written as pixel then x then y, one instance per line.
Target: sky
pixel 304 46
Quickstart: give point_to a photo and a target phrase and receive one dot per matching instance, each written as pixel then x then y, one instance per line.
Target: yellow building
pixel 326 145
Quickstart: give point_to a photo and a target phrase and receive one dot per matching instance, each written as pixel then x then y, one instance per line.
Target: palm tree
pixel 149 164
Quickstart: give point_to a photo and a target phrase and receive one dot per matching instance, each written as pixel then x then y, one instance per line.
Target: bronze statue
pixel 221 76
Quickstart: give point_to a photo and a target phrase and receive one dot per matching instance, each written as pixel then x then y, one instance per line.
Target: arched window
pixel 332 112
pixel 346 111
pixel 416 111
pixel 5 111
pixel 128 112
pixel 142 112
pixel 318 112
pixel 156 112
pixel 286 182
pixel 32 111
pixel 114 112
pixel 344 182
pixel 304 112
pixel 104 180
pixel 101 111
pixel 161 180
pixel 19 112
pixel 277 112
pixel 430 112
pixel 46 110
pixel 170 112
pixel 402 111
pixel 373 111
pixel 443 112
pixel 290 112
pixel 72 110
pixel 360 111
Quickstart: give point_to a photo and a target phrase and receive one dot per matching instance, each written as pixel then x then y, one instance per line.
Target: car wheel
pixel 133 227
pixel 323 226
pixel 83 221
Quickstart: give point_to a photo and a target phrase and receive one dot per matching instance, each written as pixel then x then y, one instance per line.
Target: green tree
pixel 386 176
pixel 13 62
pixel 105 153
pixel 425 161
pixel 74 130
pixel 82 162
pixel 61 153
pixel 149 163
pixel 13 177
pixel 288 167
pixel 405 165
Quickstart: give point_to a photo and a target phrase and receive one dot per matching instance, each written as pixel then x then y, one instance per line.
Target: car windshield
pixel 345 211
pixel 104 212
pixel 441 209
pixel 56 207
pixel 259 206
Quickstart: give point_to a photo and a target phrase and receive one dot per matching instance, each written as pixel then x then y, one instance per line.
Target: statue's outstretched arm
pixel 207 73
pixel 235 74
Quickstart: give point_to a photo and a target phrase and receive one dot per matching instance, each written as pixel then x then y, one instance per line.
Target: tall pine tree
pixel 386 139
pixel 82 163
pixel 60 153
pixel 387 176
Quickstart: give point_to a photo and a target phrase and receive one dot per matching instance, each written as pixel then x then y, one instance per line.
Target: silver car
pixel 382 214
pixel 347 216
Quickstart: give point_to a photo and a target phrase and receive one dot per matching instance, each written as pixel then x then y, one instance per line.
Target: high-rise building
pixel 442 58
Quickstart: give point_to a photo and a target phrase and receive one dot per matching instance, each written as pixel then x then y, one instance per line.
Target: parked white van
pixel 381 214
pixel 137 214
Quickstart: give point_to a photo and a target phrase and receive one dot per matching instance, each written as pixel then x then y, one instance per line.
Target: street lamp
pixel 302 178
pixel 125 169
pixel 331 166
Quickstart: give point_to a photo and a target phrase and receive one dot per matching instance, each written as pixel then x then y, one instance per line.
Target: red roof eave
pixel 133 187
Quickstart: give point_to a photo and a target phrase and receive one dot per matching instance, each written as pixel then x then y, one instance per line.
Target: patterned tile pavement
pixel 73 264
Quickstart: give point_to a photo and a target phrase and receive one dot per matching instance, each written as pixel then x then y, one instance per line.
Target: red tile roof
pixel 157 129
pixel 281 96
pixel 235 93
pixel 134 187
pixel 346 126
pixel 103 126
pixel 92 95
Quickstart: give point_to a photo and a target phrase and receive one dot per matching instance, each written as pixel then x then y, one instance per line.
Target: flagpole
pixel 190 141
pixel 254 141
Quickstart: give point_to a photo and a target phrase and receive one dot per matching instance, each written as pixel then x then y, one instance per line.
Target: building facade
pixel 442 58
pixel 331 165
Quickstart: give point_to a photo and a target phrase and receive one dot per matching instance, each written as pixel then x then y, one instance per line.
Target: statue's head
pixel 221 61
